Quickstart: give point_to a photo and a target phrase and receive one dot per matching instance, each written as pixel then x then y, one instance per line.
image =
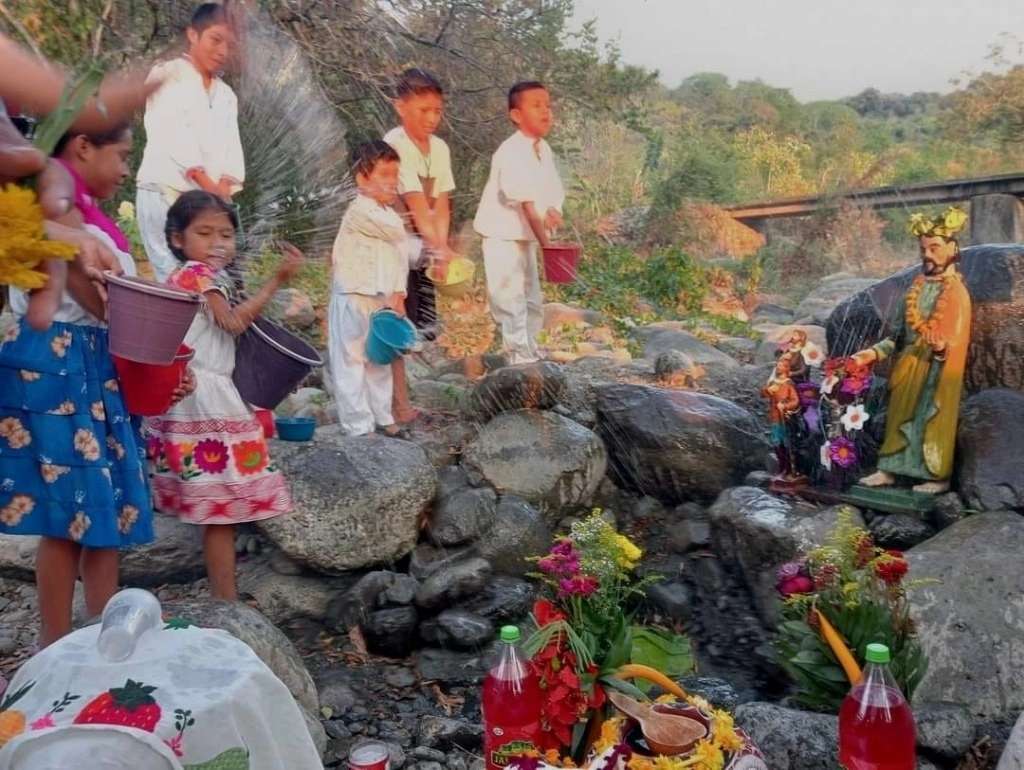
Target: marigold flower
pixel 23 243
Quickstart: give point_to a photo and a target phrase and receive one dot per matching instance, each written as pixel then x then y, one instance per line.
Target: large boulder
pixel 519 532
pixel 756 532
pixel 1013 754
pixel 269 644
pixel 990 475
pixel 462 516
pixel 791 739
pixel 971 622
pixel 823 299
pixel 283 598
pixel 677 445
pixel 357 503
pixel 995 279
pixel 658 340
pixel 542 457
pixel 524 386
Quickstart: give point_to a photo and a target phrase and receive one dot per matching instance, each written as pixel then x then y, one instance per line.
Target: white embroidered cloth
pixel 187 699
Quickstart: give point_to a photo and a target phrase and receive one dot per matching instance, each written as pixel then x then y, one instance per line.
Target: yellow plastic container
pixel 458 280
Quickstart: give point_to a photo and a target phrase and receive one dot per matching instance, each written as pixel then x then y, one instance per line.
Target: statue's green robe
pixel 924 389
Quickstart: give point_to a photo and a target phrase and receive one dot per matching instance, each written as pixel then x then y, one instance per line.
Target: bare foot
pixel 879 479
pixel 407 415
pixel 932 487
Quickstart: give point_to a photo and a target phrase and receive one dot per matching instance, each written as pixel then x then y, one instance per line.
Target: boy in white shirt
pixel 425 183
pixel 521 204
pixel 192 138
pixel 369 269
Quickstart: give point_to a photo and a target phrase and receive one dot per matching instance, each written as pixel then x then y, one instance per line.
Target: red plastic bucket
pixel 560 260
pixel 266 418
pixel 148 321
pixel 149 388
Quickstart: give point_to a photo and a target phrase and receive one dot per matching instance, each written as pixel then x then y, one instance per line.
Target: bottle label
pixel 508 744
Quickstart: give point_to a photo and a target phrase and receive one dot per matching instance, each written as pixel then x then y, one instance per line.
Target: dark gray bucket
pixel 270 363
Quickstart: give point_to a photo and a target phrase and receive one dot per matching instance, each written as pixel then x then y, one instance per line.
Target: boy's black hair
pixel 366 156
pixel 188 206
pixel 208 15
pixel 99 139
pixel 520 88
pixel 415 81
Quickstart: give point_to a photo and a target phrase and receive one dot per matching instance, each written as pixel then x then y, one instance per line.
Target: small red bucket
pixel 560 260
pixel 149 388
pixel 266 418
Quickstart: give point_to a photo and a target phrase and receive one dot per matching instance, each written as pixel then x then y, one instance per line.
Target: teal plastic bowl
pixel 295 428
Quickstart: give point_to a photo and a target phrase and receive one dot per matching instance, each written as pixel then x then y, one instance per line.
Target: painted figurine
pixel 930 342
pixel 783 411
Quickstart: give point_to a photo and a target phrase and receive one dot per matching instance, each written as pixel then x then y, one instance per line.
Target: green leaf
pixel 671 654
pixel 626 688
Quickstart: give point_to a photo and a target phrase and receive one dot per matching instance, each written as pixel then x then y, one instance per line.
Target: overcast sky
pixel 819 49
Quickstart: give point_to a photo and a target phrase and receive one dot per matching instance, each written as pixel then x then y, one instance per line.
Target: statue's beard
pixel 931 267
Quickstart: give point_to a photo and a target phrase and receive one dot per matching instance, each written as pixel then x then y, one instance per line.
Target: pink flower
pixel 562 561
pixel 789 570
pixel 842 452
pixel 581 585
pixel 43 722
pixel 211 455
pixel 801 584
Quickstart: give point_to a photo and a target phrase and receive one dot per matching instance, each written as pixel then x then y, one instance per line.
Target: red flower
pixel 211 455
pixel 891 567
pixel 175 456
pixel 545 612
pixel 865 548
pixel 250 456
pixel 801 584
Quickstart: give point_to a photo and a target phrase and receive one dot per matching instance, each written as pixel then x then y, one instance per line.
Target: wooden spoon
pixel 668 734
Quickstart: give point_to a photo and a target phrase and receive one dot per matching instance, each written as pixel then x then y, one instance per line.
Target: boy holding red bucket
pixel 521 204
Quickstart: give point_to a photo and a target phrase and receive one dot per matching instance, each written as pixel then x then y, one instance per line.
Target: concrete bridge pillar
pixel 997 218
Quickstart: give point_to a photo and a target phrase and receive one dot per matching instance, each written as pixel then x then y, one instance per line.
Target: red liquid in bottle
pixel 511 706
pixel 876 730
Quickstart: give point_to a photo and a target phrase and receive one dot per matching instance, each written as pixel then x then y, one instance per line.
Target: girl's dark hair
pixel 516 91
pixel 366 156
pixel 415 81
pixel 100 139
pixel 188 206
pixel 208 15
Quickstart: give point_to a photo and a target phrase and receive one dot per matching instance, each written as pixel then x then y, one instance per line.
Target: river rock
pixel 899 530
pixel 1013 754
pixel 524 386
pixel 769 313
pixel 351 607
pixel 270 645
pixel 519 532
pixel 462 516
pixel 356 504
pixel 661 340
pixel 821 302
pixel 791 739
pixel 677 445
pixel 18 556
pixel 447 733
pixel 542 457
pixel 503 599
pixel 283 598
pixel 439 396
pixel 459 629
pixel 756 533
pixel 971 623
pixel 990 475
pixel 718 692
pixel 391 632
pixel 174 556
pixel 446 586
pixel 945 731
pixel 426 559
pixel 994 276
pixel 451 666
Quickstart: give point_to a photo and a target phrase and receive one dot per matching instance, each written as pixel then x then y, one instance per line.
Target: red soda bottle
pixel 511 704
pixel 876 725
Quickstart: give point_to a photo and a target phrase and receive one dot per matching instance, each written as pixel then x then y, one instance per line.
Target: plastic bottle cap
pixel 878 653
pixel 510 634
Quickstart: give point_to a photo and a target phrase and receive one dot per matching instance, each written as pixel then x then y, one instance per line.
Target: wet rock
pixel 1013 755
pixel 945 731
pixel 518 533
pixel 449 585
pixel 990 475
pixel 427 559
pixel 791 739
pixel 676 445
pixel 689 535
pixel 462 516
pixel 718 692
pixel 948 510
pixel 451 667
pixel 282 565
pixel 525 386
pixel 352 607
pixel 447 733
pixel 756 532
pixel 899 530
pixel 439 396
pixel 503 599
pixel 337 695
pixel 994 276
pixel 402 591
pixel 539 456
pixel 759 479
pixel 451 479
pixel 769 313
pixel 285 597
pixel 970 622
pixel 391 632
pixel 676 368
pixel 270 645
pixel 357 503
pixel 819 305
pixel 399 676
pixel 659 340
pixel 429 754
pixel 672 598
pixel 458 629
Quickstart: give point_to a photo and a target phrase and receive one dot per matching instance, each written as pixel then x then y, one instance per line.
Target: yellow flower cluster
pixel 948 225
pixel 628 552
pixel 23 243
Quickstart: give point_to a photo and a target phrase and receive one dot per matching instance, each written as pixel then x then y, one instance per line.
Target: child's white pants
pixel 151 213
pixel 362 389
pixel 513 290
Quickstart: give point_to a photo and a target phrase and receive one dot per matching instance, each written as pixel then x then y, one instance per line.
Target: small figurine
pixel 930 340
pixel 784 416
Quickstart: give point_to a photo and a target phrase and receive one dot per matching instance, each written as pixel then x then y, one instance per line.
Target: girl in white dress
pixel 211 465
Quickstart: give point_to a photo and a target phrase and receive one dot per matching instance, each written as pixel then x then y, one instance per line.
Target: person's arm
pixel 536 223
pixel 443 216
pixel 424 220
pixel 169 123
pixel 236 320
pixel 233 178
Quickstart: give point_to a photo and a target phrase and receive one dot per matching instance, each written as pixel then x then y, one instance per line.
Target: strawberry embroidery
pixel 132 706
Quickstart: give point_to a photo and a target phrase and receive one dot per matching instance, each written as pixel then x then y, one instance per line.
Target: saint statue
pixel 929 340
pixel 783 414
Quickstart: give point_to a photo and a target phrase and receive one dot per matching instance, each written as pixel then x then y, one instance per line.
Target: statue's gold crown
pixel 948 225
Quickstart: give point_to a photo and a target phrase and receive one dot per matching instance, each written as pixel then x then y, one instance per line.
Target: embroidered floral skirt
pixel 210 460
pixel 71 461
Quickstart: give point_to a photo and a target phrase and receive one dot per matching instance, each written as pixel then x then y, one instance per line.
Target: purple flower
pixel 811 418
pixel 854 386
pixel 808 393
pixel 789 570
pixel 581 585
pixel 562 561
pixel 843 452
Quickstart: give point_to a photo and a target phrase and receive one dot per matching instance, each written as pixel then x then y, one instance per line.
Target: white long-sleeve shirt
pixel 522 170
pixel 188 126
pixel 367 254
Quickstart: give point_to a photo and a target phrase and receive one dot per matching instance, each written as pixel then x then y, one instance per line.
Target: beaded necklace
pixel 914 318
